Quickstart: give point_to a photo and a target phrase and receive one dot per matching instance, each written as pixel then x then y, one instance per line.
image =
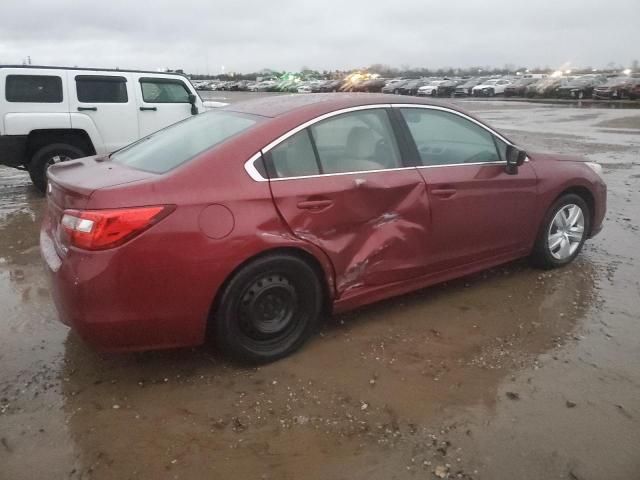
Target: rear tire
pixel 268 309
pixel 48 155
pixel 546 254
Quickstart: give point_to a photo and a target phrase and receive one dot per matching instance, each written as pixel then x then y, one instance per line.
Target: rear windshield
pixel 179 143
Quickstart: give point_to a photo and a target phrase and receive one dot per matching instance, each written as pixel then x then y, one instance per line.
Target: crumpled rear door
pixel 372 225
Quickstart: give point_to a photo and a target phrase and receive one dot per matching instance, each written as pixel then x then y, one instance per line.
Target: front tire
pixel 268 309
pixel 48 155
pixel 563 233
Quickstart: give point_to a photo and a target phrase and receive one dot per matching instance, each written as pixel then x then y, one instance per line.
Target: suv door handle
pixel 144 109
pixel 315 204
pixel 444 192
pixel 93 109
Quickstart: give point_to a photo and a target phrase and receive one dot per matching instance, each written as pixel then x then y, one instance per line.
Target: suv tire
pixel 46 156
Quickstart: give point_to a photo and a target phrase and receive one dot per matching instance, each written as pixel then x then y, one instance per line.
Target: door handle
pixel 144 109
pixel 315 204
pixel 93 109
pixel 444 192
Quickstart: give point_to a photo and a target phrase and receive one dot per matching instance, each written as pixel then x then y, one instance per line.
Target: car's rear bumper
pixel 12 150
pixel 116 304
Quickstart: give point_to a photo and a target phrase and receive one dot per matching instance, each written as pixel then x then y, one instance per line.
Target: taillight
pixel 102 229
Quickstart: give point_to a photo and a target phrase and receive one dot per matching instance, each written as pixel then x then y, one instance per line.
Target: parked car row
pixel 599 86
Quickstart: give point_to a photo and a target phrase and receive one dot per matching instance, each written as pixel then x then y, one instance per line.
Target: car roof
pixel 315 104
pixel 50 67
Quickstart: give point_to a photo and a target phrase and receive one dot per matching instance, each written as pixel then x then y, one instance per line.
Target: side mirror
pixel 192 101
pixel 515 158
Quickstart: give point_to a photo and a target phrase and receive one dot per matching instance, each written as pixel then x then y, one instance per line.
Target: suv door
pixel 102 104
pixel 162 102
pixel 341 185
pixel 478 211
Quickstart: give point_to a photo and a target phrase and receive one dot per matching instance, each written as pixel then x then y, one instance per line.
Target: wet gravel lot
pixel 513 373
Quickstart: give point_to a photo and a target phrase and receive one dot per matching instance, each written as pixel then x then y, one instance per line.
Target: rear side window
pixel 33 88
pixel 179 143
pixel 160 90
pixel 355 142
pixel 294 157
pixel 101 89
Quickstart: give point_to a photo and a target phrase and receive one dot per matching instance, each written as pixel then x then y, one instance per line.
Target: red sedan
pixel 252 221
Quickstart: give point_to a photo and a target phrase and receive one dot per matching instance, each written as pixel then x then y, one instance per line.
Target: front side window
pixel 179 143
pixel 355 142
pixel 160 90
pixel 33 88
pixel 101 89
pixel 444 138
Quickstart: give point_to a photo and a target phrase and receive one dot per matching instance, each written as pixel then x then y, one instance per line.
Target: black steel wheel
pixel 268 309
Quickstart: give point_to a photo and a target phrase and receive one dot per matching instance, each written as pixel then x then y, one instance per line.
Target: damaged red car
pixel 253 221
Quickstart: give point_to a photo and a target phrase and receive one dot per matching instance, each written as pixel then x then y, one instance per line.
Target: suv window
pixel 160 90
pixel 294 157
pixel 445 138
pixel 101 89
pixel 33 88
pixel 182 141
pixel 356 141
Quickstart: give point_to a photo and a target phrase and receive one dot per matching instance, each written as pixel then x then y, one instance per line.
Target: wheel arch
pixel 325 277
pixel 584 193
pixel 42 137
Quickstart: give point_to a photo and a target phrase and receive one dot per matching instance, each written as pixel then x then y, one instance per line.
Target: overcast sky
pixel 249 35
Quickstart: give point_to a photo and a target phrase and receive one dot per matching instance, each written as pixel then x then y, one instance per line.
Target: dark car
pixel 331 86
pixel 519 87
pixel 616 88
pixel 448 87
pixel 373 85
pixel 547 87
pixel 411 87
pixel 581 87
pixel 252 221
pixel 464 90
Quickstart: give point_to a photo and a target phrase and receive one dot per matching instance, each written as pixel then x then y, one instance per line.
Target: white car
pixel 53 114
pixel 490 88
pixel 431 89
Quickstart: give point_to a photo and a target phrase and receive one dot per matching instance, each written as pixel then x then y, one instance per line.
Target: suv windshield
pixel 179 143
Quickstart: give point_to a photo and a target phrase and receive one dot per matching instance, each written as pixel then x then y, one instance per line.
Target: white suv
pixel 52 114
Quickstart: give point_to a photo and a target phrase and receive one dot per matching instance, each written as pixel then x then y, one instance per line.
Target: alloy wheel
pixel 566 232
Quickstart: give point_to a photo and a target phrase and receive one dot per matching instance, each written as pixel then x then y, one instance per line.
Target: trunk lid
pixel 73 182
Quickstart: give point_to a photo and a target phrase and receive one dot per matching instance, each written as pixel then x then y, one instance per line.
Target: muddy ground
pixel 510 374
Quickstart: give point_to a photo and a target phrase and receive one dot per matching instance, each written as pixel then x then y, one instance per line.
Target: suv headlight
pixel 596 167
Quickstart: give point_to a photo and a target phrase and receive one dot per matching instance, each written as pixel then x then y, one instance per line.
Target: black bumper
pixel 12 150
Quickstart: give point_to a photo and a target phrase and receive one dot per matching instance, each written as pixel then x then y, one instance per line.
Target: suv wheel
pixel 48 155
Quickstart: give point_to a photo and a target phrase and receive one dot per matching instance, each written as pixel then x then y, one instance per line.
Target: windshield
pixel 179 143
